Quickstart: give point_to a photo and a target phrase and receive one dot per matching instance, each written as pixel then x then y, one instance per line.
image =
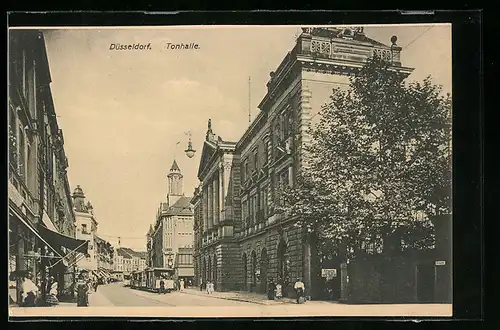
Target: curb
pixel 236 299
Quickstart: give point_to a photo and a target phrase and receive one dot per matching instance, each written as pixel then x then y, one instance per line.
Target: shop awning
pixel 36 232
pixel 58 240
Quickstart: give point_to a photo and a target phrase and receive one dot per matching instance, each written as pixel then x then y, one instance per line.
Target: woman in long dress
pixel 51 298
pixel 181 285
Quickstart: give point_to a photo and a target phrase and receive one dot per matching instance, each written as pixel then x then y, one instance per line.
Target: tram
pixel 149 279
pixel 137 280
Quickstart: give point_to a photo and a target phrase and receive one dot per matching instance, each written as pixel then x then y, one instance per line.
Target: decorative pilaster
pixel 303 122
pixel 205 207
pixel 220 189
pixel 210 202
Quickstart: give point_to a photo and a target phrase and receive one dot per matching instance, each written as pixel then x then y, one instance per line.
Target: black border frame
pixel 468 119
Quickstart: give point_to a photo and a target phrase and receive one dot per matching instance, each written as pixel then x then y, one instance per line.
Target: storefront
pixel 35 250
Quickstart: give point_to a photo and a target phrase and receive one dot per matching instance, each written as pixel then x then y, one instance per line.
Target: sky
pixel 123 112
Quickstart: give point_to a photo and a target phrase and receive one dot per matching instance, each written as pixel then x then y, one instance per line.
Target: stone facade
pixel 263 242
pixel 38 187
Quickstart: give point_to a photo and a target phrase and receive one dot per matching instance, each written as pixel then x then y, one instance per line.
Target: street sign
pixel 440 263
pixel 329 273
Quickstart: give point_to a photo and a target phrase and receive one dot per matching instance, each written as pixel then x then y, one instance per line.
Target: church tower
pixel 174 184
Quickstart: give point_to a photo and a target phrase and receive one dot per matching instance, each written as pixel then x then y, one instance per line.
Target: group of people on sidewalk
pixel 209 287
pixel 275 290
pixel 33 295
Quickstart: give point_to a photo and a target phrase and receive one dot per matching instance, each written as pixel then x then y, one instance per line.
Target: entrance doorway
pixel 254 271
pixel 245 271
pixel 283 277
pixel 264 264
pixel 214 277
pixel 209 271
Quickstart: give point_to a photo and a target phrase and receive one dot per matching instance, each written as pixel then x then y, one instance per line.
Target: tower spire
pixel 175 189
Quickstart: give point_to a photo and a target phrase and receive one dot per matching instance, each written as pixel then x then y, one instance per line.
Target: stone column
pixel 210 205
pixel 215 192
pixel 226 178
pixel 204 208
pixel 221 193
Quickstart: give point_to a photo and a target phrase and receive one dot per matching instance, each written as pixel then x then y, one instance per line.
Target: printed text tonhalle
pixel 191 45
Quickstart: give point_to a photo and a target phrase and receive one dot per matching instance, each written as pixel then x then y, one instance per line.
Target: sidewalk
pixel 251 297
pixel 97 299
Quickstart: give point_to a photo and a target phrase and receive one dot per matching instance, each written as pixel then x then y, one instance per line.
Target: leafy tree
pixel 379 164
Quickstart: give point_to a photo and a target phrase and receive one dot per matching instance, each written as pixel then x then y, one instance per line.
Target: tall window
pixel 255 206
pixel 266 148
pixel 12 138
pixel 23 72
pixel 31 93
pixel 22 154
pixel 30 168
pixel 256 160
pixel 246 169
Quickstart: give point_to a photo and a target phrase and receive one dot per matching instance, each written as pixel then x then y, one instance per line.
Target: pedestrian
pixel 271 287
pixel 181 285
pixel 96 284
pixel 279 291
pixel 82 298
pixel 162 286
pixel 29 291
pixel 208 285
pixel 299 290
pixel 51 298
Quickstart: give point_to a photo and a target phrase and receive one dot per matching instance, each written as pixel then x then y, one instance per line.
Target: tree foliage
pixel 379 161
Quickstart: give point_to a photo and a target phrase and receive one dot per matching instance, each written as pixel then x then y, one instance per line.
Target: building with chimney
pixel 241 240
pixel 173 230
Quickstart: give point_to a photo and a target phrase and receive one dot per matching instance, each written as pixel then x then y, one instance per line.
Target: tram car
pixel 137 280
pixel 150 278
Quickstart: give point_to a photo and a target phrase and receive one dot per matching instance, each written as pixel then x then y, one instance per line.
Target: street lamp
pixel 190 151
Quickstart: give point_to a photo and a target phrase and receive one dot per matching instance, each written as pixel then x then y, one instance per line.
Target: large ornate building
pixel 241 240
pixel 41 217
pixel 172 233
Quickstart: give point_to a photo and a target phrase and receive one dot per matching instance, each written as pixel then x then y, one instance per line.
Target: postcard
pixel 230 171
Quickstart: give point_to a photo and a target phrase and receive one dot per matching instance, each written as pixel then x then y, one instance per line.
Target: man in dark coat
pixel 82 298
pixel 271 287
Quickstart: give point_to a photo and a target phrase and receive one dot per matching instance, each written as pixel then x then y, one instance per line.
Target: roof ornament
pixel 210 134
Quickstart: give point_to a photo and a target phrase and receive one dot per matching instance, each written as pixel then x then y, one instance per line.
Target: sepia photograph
pixel 230 171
